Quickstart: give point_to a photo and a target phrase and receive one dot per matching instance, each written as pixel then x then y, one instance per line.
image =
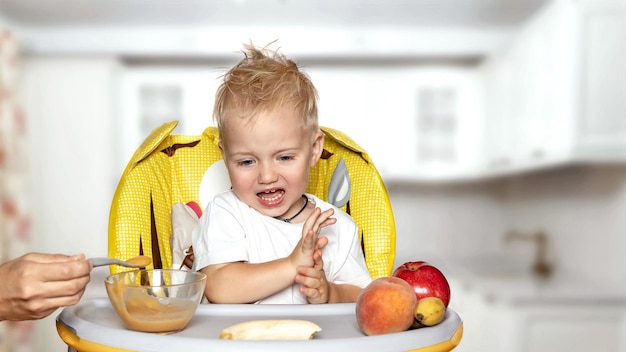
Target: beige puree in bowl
pixel 144 312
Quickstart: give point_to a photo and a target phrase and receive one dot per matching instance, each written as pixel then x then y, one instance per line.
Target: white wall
pixel 581 208
pixel 442 222
pixel 68 105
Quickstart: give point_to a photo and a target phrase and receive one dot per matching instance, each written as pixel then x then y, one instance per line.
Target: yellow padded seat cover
pixel 168 169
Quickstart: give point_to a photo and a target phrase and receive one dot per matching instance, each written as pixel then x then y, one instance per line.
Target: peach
pixel 386 305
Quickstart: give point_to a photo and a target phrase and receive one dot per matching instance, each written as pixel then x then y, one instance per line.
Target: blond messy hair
pixel 264 81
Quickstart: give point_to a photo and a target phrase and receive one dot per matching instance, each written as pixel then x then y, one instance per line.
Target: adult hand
pixel 34 285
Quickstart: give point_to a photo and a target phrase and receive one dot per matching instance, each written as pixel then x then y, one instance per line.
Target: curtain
pixel 15 234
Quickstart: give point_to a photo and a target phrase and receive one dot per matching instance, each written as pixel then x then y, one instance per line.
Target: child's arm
pixel 241 282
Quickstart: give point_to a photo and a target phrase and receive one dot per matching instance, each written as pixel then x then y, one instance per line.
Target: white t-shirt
pixel 231 231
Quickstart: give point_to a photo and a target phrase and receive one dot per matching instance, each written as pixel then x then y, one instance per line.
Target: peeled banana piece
pixel 281 329
pixel 429 311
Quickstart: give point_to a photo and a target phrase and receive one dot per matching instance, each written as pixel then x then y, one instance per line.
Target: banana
pixel 284 329
pixel 429 311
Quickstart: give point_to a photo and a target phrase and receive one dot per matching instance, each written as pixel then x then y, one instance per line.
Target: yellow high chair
pixel 169 169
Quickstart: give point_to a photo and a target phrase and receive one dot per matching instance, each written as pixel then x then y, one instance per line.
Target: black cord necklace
pixel 306 202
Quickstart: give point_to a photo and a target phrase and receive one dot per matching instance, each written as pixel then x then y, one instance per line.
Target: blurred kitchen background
pixel 498 126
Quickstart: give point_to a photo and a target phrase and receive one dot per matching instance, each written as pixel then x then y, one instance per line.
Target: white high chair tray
pixel 95 320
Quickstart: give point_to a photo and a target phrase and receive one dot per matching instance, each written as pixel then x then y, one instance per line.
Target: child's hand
pixel 313 279
pixel 302 255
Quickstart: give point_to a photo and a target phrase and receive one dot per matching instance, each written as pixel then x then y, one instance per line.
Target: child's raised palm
pixel 302 255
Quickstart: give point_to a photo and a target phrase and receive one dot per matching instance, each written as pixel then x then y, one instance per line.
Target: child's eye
pixel 285 157
pixel 245 162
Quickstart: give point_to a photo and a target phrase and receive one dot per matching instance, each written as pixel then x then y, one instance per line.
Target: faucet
pixel 541 267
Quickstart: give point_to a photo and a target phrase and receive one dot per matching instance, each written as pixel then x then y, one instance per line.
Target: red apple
pixel 426 280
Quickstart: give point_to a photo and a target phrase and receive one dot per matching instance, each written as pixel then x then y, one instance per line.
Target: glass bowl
pixel 158 300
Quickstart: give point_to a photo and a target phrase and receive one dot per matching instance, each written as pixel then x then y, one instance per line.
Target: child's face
pixel 269 160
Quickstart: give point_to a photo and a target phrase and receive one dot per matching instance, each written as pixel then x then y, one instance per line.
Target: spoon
pixel 136 262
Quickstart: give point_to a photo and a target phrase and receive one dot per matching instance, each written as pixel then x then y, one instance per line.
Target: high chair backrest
pixel 168 169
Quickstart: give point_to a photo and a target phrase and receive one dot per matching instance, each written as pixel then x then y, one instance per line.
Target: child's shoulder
pixel 226 199
pixel 319 202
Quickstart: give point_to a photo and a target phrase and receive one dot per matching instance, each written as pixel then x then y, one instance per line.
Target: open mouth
pixel 271 198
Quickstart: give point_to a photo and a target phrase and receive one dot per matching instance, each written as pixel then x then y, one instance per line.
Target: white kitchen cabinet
pixel 494 322
pixel 557 92
pixel 417 122
pixel 448 122
pixel 576 328
pixel 151 95
pixel 498 117
pixel 602 130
